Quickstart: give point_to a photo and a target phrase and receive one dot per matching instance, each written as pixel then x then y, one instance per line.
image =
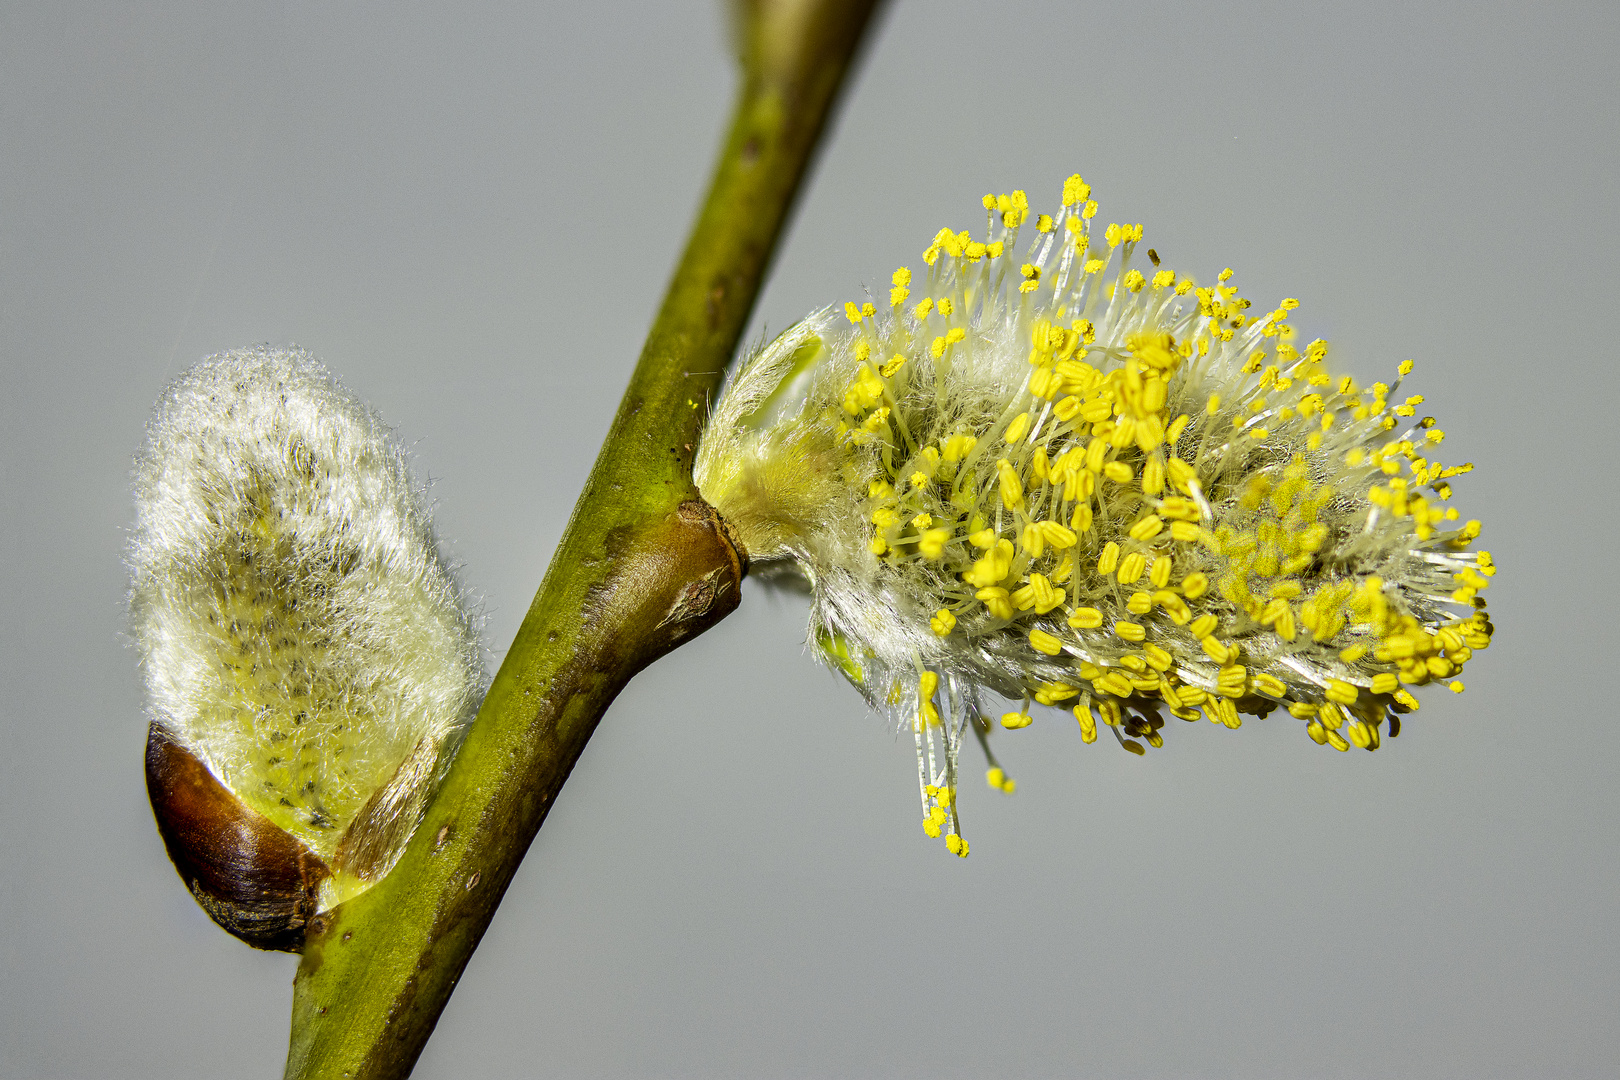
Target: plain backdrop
pixel 470 213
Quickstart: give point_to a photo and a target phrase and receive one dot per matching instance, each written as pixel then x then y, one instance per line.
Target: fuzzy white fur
pixel 298 629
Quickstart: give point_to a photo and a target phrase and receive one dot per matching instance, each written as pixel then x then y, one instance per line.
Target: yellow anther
pixel 1075 190
pixel 1159 659
pixel 1217 652
pixel 851 312
pixel 956 846
pixel 1051 693
pixel 1140 603
pixel 1018 428
pixel 1130 631
pixel 927 684
pixel 1014 720
pixel 1179 509
pixel 1174 606
pixel 1118 472
pixel 1342 692
pixel 1160 570
pixel 942 623
pixel 1085 618
pixel 932 543
pixel 1131 568
pixel 992 566
pixel 1043 642
pixel 1153 475
pixel 1194 585
pixel 1012 488
pixel 1045 383
pixel 958 446
pixel 984 538
pixel 1232 680
pixel 1203 626
pixel 1147 528
pixel 1037 595
pixel 924 306
pixel 1270 685
pixel 1031 540
pixel 997 600
pixel 1058 536
pixel 1108 560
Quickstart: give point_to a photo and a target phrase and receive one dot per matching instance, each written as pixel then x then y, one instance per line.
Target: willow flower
pixel 1051 474
pixel 309 661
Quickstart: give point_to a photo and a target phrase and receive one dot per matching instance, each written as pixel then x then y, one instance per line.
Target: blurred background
pixel 470 215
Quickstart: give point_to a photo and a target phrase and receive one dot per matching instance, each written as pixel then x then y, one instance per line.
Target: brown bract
pixel 250 875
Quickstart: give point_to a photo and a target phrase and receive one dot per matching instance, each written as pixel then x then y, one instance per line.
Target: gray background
pixel 471 217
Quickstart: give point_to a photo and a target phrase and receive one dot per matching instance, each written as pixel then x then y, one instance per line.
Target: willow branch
pixel 643 566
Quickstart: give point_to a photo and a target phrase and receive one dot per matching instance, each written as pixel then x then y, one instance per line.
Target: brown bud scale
pixel 252 877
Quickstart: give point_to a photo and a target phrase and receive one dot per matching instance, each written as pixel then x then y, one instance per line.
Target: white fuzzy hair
pixel 299 631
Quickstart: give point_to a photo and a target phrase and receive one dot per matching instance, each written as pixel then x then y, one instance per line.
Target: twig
pixel 643 566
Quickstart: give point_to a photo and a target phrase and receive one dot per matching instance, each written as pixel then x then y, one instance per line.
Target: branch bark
pixel 644 565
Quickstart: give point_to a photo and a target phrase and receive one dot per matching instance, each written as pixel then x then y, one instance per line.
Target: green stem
pixel 643 566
